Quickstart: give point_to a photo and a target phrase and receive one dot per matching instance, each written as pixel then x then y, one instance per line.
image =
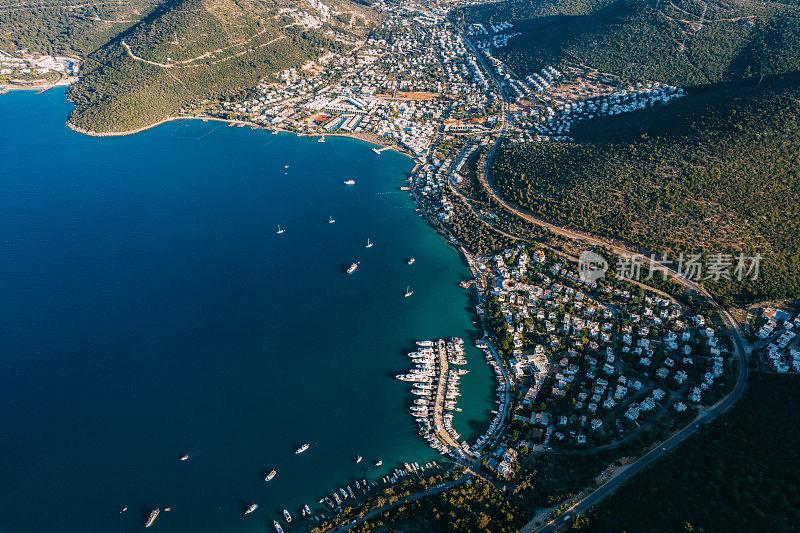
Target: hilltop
pixel 189 51
pixel 680 42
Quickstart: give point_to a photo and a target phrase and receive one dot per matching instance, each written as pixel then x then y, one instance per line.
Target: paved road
pixel 623 475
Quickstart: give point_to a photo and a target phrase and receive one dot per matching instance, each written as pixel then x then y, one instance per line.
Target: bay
pixel 149 309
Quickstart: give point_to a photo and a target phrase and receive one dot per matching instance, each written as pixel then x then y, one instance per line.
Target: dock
pixel 438 422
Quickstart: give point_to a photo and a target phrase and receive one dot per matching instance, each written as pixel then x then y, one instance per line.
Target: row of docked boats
pixel 429 403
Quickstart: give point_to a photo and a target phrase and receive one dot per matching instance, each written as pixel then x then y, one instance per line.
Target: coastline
pixel 368 138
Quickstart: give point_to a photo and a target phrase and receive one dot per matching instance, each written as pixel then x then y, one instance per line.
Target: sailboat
pixel 409 292
pixel 280 230
pixel 358 460
pixel 330 220
pixel 369 244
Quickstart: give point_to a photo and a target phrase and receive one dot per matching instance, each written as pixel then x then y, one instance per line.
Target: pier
pixel 438 423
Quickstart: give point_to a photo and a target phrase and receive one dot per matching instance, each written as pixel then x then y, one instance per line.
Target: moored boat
pixel 302 448
pixel 152 517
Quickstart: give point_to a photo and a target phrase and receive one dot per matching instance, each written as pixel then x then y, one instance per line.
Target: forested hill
pixel 713 172
pixel 681 42
pixel 59 27
pixel 188 51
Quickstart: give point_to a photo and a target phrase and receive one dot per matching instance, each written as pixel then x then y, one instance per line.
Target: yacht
pixel 350 492
pixel 369 244
pixel 270 475
pixel 379 463
pixel 252 508
pixel 330 220
pixel 352 268
pixel 344 492
pixel 321 139
pixel 152 517
pixel 409 292
pixel 185 457
pixel 359 459
pixel 302 448
pixel 424 343
pixel 328 501
pixel 278 527
pixel 337 498
pixel 306 510
pixel 280 230
pixel 287 516
pixel 350 182
pixel 411 261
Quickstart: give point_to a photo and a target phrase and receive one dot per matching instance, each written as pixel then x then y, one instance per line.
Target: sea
pixel 149 309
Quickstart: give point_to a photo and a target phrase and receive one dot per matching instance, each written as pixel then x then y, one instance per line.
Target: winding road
pixel 706 417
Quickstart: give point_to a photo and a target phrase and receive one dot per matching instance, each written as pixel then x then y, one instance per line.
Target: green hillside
pixel 192 50
pixel 748 484
pixel 681 42
pixel 714 172
pixel 58 27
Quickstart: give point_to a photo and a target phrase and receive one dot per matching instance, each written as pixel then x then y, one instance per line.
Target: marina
pixel 274 288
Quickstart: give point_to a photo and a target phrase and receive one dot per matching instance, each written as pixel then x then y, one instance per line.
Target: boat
pixel 285 166
pixel 358 485
pixel 350 182
pixel 321 139
pixel 425 343
pixel 409 292
pixel 328 501
pixel 152 517
pixel 270 475
pixel 307 509
pixel 287 516
pixel 331 220
pixel 167 509
pixel 369 244
pixel 337 498
pixel 350 492
pixel 252 508
pixel 379 463
pixel 278 527
pixel 302 448
pixel 352 268
pixel 280 230
pixel 185 457
pixel 411 261
pixel 358 460
pixel 344 493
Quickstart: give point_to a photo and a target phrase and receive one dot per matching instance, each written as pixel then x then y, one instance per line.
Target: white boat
pixel 409 292
pixel 306 510
pixel 358 460
pixel 285 166
pixel 369 244
pixel 280 230
pixel 330 220
pixel 350 182
pixel 302 448
pixel 185 457
pixel 270 475
pixel 278 527
pixel 321 139
pixel 352 268
pixel 411 261
pixel 252 508
pixel 379 463
pixel 152 517
pixel 287 515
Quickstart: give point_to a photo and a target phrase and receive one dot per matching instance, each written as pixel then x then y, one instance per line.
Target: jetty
pixel 379 150
pixel 438 421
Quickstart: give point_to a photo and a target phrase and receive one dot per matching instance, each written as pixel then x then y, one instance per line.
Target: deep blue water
pixel 148 309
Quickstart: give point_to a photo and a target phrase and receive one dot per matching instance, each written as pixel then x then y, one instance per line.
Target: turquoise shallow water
pixel 149 309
